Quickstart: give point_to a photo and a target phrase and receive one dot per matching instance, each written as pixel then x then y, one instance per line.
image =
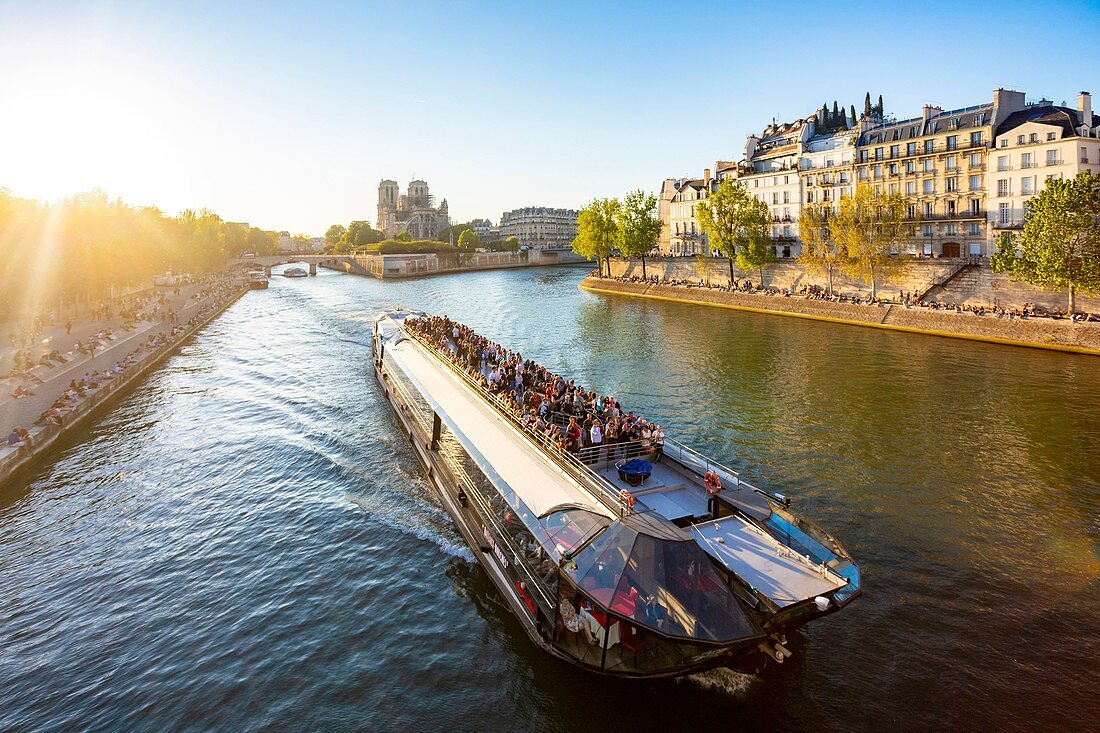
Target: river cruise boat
pixel 641 558
pixel 257 279
pixel 295 272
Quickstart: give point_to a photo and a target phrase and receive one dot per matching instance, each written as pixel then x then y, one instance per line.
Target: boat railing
pixel 567 463
pixel 471 490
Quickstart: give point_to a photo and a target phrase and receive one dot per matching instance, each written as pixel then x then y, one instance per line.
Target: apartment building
pixel 1034 145
pixel 685 237
pixel 938 161
pixel 540 227
pixel 827 167
pixel 770 171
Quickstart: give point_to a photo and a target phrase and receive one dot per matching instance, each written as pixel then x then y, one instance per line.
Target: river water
pixel 246 543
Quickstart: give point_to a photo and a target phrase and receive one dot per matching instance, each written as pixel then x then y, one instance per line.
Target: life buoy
pixel 712 483
pixel 626 498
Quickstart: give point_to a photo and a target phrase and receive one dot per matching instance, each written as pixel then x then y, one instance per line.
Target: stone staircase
pixel 956 276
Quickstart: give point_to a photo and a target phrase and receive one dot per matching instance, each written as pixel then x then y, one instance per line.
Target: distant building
pixel 286 242
pixel 684 236
pixel 485 230
pixel 414 212
pixel 539 227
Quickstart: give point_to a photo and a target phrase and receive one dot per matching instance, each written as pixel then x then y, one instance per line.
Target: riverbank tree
pixel 89 246
pixel 597 231
pixel 638 224
pixel 467 240
pixel 820 253
pixel 738 225
pixel 1059 246
pixel 870 228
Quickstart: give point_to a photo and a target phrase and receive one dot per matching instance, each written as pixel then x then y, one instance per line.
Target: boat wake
pixel 734 684
pixel 428 529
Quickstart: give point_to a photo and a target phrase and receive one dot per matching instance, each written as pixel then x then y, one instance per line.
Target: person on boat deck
pixel 713 485
pixel 573 432
pixel 596 434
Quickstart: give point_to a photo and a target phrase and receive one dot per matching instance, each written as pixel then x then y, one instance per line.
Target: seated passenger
pixel 654 614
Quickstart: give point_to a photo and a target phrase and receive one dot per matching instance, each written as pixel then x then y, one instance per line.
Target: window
pixel 975 207
pixel 929 146
pixel 979 119
pixel 893 169
pixel 862 156
pixel 927 209
pixel 952 142
pixel 1020 139
pixel 1050 136
pixel 933 126
pixel 786 179
pixel 786 230
pixel 954 123
pixel 1052 157
pixel 878 171
pixel 975 228
pixel 786 197
pixel 1002 186
pixel 895 151
pixel 1005 213
pixel 928 166
pixel 911 212
pixel 829 163
pixel 1025 160
pixel 911 149
pixel 911 188
pixel 809 181
pixel 929 186
pixel 775 197
pixel 1002 162
pixel 910 166
pixel 1004 142
pixel 1033 137
pixel 952 162
pixel 951 231
pixel 843 177
pixel 1027 186
pixel 975 139
pixel 809 197
pixel 1084 155
pixel 892 188
pixel 878 189
pixel 926 230
pixel 878 153
pixel 863 174
pixel 975 160
pixel 952 185
pixel 975 183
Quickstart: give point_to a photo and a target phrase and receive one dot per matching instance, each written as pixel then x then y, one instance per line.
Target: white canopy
pixel 498 447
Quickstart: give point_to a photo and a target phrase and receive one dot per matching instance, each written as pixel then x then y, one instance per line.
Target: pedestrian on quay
pixel 68 328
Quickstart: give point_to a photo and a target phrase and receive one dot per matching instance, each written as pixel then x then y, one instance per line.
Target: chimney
pixel 1084 107
pixel 706 176
pixel 929 111
pixel 1005 102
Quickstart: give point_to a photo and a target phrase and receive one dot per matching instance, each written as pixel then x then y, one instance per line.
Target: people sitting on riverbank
pixel 816 292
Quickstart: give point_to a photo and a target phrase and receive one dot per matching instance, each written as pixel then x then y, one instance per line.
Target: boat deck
pixel 757 557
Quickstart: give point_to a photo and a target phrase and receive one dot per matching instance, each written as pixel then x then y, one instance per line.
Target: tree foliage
pixel 639 225
pixel 468 239
pixel 738 225
pixel 819 249
pixel 335 233
pixel 598 230
pixel 867 227
pixel 1060 243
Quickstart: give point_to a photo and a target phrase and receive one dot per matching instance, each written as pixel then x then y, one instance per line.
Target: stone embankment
pixel 1044 333
pixel 42 437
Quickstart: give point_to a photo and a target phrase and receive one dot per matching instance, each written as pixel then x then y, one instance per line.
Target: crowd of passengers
pixel 538 397
pixel 908 299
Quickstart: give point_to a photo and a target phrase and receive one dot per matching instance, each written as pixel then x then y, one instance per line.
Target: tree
pixel 335 233
pixel 819 249
pixel 738 225
pixel 1060 243
pixel 639 225
pixel 302 243
pixel 468 239
pixel 403 237
pixel 880 109
pixel 867 226
pixel 867 105
pixel 597 231
pixel 510 244
pixel 853 113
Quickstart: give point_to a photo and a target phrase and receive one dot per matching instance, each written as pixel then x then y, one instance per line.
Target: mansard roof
pixel 1048 114
pixel 966 118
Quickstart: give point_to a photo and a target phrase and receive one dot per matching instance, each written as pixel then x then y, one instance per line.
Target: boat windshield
pixel 647 570
pixel 568 528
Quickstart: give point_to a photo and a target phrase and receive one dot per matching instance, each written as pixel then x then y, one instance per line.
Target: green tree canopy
pixel 510 244
pixel 468 239
pixel 598 231
pixel 1060 243
pixel 867 227
pixel 738 225
pixel 639 225
pixel 335 233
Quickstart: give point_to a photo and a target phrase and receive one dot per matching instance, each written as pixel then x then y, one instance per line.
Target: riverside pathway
pixel 193 302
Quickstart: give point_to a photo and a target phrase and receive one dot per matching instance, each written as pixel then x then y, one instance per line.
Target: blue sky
pixel 288 115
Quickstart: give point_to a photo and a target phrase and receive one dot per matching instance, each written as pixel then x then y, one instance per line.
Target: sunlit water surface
pixel 246 543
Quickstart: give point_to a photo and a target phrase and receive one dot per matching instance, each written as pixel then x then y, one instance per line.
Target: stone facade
pixel 414 212
pixel 540 227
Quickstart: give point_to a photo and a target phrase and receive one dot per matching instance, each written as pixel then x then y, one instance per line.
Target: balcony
pixel 1000 225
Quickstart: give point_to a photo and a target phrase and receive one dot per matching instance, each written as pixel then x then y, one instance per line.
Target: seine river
pixel 246 543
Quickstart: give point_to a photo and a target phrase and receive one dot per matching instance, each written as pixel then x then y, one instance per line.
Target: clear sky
pixel 288 115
